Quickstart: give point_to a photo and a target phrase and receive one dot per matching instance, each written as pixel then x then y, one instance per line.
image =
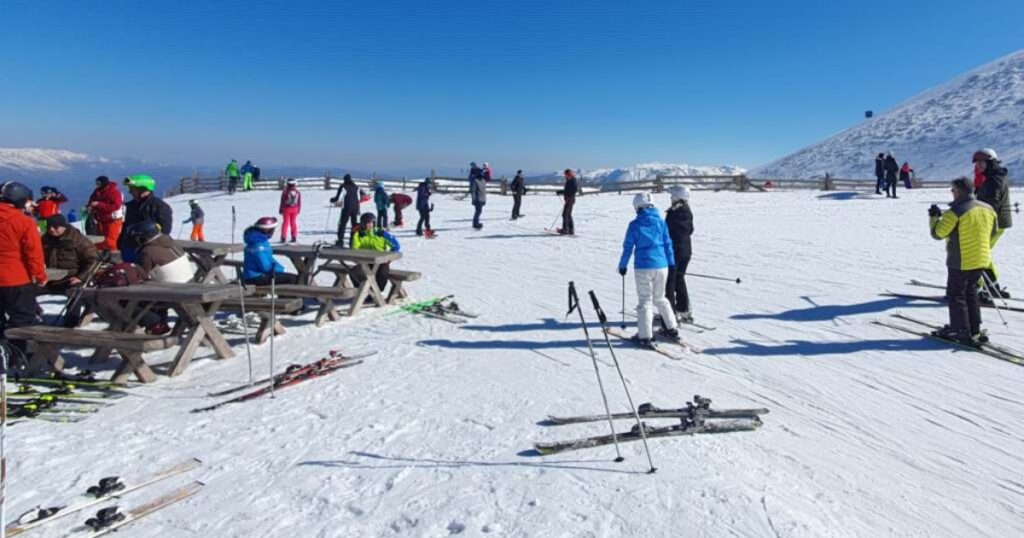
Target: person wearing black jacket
pixel 879 172
pixel 569 198
pixel 892 169
pixel 424 207
pixel 679 219
pixel 143 206
pixel 349 206
pixel 518 190
pixel 993 188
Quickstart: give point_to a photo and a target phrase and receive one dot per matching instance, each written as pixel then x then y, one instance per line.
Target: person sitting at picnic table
pixel 369 237
pixel 258 263
pixel 159 256
pixel 64 247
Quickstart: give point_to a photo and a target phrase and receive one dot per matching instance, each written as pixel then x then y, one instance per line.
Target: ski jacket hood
pixel 647 237
pixel 258 256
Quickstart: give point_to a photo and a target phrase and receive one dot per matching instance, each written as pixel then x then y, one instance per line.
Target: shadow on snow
pixel 833 311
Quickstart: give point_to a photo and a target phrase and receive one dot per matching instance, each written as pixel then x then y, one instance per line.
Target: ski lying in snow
pixel 983 345
pixel 110 519
pixel 45 515
pixel 646 410
pixel 677 341
pixel 310 371
pixel 65 392
pixel 914 282
pixel 688 325
pixel 420 305
pixel 984 349
pixel 684 428
pixel 663 350
pixel 942 299
pixel 293 369
pixel 557 231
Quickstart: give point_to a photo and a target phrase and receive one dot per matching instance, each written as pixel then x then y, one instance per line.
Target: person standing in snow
pixel 48 205
pixel 231 171
pixel 648 241
pixel 349 206
pixel 400 201
pixel 905 173
pixel 258 263
pixel 518 188
pixel 474 172
pixel 196 217
pixel 879 172
pixel 144 205
pixel 487 172
pixel 969 228
pixel 289 209
pixel 22 272
pixel 478 195
pixel 424 207
pixel 247 172
pixel 106 209
pixel 993 188
pixel 370 238
pixel 892 169
pixel 679 220
pixel 568 193
pixel 382 201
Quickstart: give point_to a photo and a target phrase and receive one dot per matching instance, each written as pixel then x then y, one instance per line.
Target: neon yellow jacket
pixel 969 227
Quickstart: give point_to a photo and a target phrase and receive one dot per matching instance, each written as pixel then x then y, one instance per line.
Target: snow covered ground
pixel 872 432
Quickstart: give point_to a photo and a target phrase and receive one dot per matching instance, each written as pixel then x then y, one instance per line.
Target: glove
pixel 622 271
pixel 186 221
pixel 334 200
pixel 934 211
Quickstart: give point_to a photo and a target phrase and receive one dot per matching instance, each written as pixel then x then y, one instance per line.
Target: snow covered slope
pixel 644 171
pixel 871 433
pixel 40 160
pixel 936 131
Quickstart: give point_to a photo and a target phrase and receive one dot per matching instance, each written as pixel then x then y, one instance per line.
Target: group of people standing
pixel 887 170
pixel 247 174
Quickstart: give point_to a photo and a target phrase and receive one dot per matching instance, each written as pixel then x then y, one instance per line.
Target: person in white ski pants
pixel 648 242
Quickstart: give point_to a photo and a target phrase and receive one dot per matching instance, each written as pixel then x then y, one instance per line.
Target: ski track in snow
pixel 871 432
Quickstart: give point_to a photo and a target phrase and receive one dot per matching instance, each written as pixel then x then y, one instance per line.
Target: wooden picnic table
pixel 194 303
pixel 209 257
pixel 302 257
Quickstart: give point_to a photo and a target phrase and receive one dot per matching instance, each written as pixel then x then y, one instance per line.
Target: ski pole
pixel 273 323
pixel 713 277
pixel 991 286
pixel 234 221
pixel 323 236
pixel 574 304
pixel 623 326
pixel 552 225
pixel 245 323
pixel 604 325
pixel 3 439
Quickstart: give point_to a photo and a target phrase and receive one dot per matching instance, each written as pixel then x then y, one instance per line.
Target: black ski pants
pixel 675 289
pixel 477 210
pixel 232 185
pixel 18 308
pixel 383 273
pixel 517 201
pixel 349 219
pixel 890 185
pixel 424 220
pixel 382 219
pixel 568 227
pixel 879 180
pixel 962 294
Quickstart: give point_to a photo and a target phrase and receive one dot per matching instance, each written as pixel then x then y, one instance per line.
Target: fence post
pixel 504 186
pixel 829 184
pixel 327 181
pixel 280 183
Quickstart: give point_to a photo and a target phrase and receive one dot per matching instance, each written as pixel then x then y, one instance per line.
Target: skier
pixel 21 261
pixel 247 173
pixel 349 207
pixel 679 220
pixel 196 217
pixel 568 193
pixel 647 235
pixel 424 207
pixel 518 188
pixel 969 228
pixel 64 247
pixel 258 262
pixel 905 173
pixel 879 173
pixel 400 201
pixel 291 206
pixel 232 174
pixel 370 238
pixel 382 201
pixel 993 188
pixel 106 209
pixel 478 196
pixel 144 206
pixel 891 171
pixel 48 205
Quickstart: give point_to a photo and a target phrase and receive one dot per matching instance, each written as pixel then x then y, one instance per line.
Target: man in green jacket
pixel 232 174
pixel 368 237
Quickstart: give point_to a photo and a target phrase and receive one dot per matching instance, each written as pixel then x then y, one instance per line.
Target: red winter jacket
pixel 21 249
pixel 110 201
pixel 48 207
pixel 290 202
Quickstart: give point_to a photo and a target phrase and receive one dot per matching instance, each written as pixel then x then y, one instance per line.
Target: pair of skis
pixel 942 299
pixel 448 311
pixel 112 488
pixel 696 418
pixel 914 282
pixel 992 350
pixel 677 349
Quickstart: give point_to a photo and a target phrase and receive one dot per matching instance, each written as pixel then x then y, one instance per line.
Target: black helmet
pixel 144 230
pixel 15 193
pixel 367 217
pixel 103 180
pixel 46 189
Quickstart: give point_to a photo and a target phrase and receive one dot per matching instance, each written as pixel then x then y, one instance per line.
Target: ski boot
pixel 959 336
pixel 643 342
pixel 671 334
pixel 684 317
pixel 995 290
pixel 104 518
pixel 105 487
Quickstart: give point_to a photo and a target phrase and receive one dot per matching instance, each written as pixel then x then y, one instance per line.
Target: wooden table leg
pixel 368 287
pixel 132 363
pixel 46 358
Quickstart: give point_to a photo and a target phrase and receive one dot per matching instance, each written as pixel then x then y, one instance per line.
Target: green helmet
pixel 141 181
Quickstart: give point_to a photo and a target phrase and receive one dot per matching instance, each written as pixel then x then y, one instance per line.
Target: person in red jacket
pixel 48 205
pixel 291 206
pixel 400 201
pixel 107 208
pixel 22 270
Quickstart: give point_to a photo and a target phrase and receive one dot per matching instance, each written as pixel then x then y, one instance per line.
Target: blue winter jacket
pixel 648 235
pixel 381 199
pixel 259 256
pixel 423 197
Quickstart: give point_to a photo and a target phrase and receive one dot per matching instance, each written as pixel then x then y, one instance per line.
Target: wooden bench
pixel 397 277
pixel 49 340
pixel 324 296
pixel 261 306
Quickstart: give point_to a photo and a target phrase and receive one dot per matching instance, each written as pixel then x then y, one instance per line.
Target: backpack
pixel 121 274
pixel 291 198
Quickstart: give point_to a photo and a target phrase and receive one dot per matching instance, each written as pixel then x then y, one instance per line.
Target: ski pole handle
pixel 574 299
pixel 597 307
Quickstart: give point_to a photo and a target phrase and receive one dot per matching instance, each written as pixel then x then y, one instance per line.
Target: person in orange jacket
pixel 48 205
pixel 106 205
pixel 22 269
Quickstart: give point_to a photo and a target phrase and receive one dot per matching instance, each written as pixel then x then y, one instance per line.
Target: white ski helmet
pixel 679 192
pixel 985 154
pixel 642 200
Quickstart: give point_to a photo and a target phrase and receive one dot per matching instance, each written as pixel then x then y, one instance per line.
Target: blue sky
pixel 409 86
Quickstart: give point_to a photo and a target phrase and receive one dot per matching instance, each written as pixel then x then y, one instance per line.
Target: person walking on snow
pixel 106 208
pixel 892 169
pixel 879 172
pixel 258 263
pixel 993 188
pixel 424 207
pixel 568 193
pixel 647 240
pixel 905 174
pixel 231 171
pixel 369 237
pixel 478 195
pixel 291 206
pixel 679 220
pixel 196 217
pixel 22 273
pixel 400 201
pixel 382 201
pixel 969 228
pixel 349 206
pixel 247 173
pixel 518 189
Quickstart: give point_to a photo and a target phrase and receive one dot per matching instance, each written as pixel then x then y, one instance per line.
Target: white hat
pixel 988 153
pixel 679 192
pixel 292 181
pixel 642 200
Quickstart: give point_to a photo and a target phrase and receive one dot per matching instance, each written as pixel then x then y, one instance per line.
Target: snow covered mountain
pixel 935 131
pixel 34 160
pixel 644 171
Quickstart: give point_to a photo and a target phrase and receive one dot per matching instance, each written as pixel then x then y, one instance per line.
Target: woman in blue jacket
pixel 258 262
pixel 647 240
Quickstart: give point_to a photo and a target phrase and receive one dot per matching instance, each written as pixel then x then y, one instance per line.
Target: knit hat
pixel 57 221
